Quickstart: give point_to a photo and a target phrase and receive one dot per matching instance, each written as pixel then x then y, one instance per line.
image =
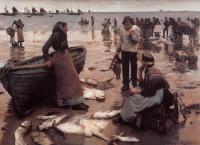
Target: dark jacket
pixel 153 81
pixel 57 40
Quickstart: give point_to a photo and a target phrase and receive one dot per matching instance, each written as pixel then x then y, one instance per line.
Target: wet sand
pixel 98 57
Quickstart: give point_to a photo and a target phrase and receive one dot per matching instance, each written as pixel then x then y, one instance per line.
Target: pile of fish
pixel 77 125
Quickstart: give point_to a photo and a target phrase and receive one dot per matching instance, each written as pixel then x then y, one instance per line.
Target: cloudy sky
pixel 106 5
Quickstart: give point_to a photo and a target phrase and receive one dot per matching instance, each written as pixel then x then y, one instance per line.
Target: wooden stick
pixel 33 66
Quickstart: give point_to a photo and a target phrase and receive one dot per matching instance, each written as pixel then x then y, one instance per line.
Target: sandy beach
pixel 100 51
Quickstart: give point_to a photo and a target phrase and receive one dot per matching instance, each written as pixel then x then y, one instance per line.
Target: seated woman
pixel 153 89
pixel 69 92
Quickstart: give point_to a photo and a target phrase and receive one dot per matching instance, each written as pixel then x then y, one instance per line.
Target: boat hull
pixel 29 86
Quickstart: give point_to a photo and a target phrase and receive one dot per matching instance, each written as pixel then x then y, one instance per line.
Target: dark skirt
pixel 68 86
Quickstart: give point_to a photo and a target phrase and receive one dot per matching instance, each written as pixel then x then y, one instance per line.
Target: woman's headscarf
pixel 59 36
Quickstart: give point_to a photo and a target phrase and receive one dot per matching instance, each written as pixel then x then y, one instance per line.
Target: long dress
pixel 68 87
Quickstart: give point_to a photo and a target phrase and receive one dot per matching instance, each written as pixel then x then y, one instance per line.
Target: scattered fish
pixel 105 85
pixel 89 81
pixel 94 94
pixel 21 131
pixel 86 127
pixel 106 114
pixel 48 115
pixel 50 122
pixel 41 138
pixel 126 138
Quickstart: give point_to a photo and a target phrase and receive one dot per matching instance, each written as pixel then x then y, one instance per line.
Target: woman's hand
pixel 135 90
pixel 49 63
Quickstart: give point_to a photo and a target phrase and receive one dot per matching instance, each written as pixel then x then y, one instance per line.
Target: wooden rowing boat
pixel 31 81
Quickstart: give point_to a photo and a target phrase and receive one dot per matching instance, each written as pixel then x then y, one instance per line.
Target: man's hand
pixel 49 63
pixel 131 31
pixel 135 90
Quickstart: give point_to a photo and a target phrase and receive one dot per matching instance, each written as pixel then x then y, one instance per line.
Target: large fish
pixel 48 115
pixel 106 114
pixel 86 127
pixel 89 81
pixel 94 94
pixel 41 138
pixel 21 131
pixel 105 85
pixel 50 122
pixel 126 138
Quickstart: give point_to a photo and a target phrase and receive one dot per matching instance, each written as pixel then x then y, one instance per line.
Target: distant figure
pixel 11 31
pixel 105 29
pixel 157 28
pixel 20 34
pixel 92 20
pixel 166 25
pixel 115 23
pixel 6 10
pixel 68 10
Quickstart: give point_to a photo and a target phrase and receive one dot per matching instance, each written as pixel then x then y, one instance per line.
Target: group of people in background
pixel 154 27
pixel 16 27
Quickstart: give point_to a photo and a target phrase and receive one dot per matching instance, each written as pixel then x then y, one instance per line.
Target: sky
pixel 105 5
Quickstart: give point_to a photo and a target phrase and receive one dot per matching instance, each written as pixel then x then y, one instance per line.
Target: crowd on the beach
pixel 155 27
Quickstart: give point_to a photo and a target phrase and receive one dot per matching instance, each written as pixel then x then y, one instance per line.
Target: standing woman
pixel 12 34
pixel 20 34
pixel 69 92
pixel 128 45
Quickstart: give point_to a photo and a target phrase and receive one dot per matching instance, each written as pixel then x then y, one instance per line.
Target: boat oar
pixel 33 66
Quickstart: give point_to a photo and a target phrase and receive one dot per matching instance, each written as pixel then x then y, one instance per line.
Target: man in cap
pixel 128 45
pixel 153 91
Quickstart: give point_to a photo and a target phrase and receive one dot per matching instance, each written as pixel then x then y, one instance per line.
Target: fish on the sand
pixel 48 115
pixel 105 85
pixel 41 138
pixel 21 132
pixel 94 94
pixel 129 139
pixel 89 81
pixel 106 114
pixel 83 126
pixel 50 122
